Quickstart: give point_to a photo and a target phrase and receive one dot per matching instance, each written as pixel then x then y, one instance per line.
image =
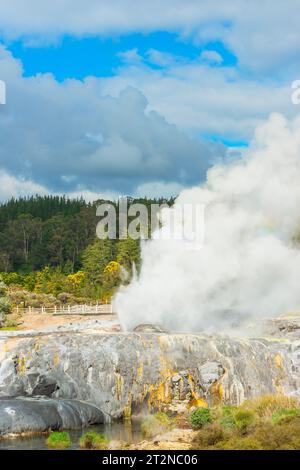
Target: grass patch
pixel 8 328
pixel 59 440
pixel 267 405
pixel 93 441
pixel 244 419
pixel 285 415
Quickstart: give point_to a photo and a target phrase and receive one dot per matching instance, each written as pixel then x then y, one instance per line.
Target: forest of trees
pixel 48 245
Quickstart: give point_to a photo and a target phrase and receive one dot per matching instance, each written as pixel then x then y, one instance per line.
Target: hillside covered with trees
pixel 48 245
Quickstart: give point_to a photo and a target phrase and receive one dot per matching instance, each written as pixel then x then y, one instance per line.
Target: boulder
pixel 23 415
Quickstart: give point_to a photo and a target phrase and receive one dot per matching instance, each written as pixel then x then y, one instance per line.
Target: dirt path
pixel 38 321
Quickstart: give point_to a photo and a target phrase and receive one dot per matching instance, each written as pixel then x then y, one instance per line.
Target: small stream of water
pixel 117 431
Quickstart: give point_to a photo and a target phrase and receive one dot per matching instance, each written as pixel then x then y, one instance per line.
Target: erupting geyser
pixel 249 265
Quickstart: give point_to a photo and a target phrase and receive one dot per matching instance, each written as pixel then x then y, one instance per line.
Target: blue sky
pixel 78 58
pixel 127 97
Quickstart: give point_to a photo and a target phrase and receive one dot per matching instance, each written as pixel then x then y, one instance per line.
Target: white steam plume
pixel 249 266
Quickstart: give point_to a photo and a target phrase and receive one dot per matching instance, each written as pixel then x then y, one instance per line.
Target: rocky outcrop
pixel 35 415
pixel 122 373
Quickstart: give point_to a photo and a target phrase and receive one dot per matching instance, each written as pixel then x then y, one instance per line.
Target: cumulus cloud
pixel 206 100
pixel 13 186
pixel 17 187
pixel 71 135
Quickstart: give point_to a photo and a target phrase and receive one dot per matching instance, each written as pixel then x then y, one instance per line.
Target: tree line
pixel 48 244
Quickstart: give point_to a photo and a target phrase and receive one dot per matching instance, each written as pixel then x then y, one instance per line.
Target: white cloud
pixel 131 56
pixel 162 59
pixel 72 137
pixel 14 186
pixel 263 34
pixel 212 57
pixel 205 100
pixel 11 186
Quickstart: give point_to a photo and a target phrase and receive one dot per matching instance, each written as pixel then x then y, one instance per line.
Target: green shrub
pixel 279 437
pixel 93 440
pixel 239 443
pixel 208 436
pixel 200 417
pixel 228 410
pixel 285 415
pixel 163 418
pixel 228 422
pixel 243 419
pixel 59 440
pixel 5 305
pixel 258 424
pixel 227 416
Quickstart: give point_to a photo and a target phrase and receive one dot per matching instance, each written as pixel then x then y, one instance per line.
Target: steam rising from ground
pixel 249 265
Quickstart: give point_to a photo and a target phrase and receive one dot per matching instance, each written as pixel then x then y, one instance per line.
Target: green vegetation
pixel 285 415
pixel 266 423
pixel 5 305
pixel 49 247
pixel 244 419
pixel 200 417
pixel 93 441
pixel 59 440
pixel 156 424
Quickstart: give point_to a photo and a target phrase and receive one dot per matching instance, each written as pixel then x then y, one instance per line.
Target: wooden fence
pixel 99 309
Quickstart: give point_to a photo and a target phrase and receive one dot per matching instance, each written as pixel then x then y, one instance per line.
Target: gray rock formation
pixel 33 415
pixel 121 373
pixel 149 328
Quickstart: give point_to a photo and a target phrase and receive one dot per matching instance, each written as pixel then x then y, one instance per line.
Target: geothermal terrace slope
pixel 121 373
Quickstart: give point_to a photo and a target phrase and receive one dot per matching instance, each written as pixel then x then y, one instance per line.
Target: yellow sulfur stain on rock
pixel 56 360
pixel 128 408
pixel 217 392
pixel 198 403
pixel 278 361
pixel 281 374
pixel 140 371
pixel 119 385
pixel 21 365
pixel 159 395
pixel 164 343
pixel 196 399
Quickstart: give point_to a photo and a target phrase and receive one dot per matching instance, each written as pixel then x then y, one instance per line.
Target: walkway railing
pixel 85 309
